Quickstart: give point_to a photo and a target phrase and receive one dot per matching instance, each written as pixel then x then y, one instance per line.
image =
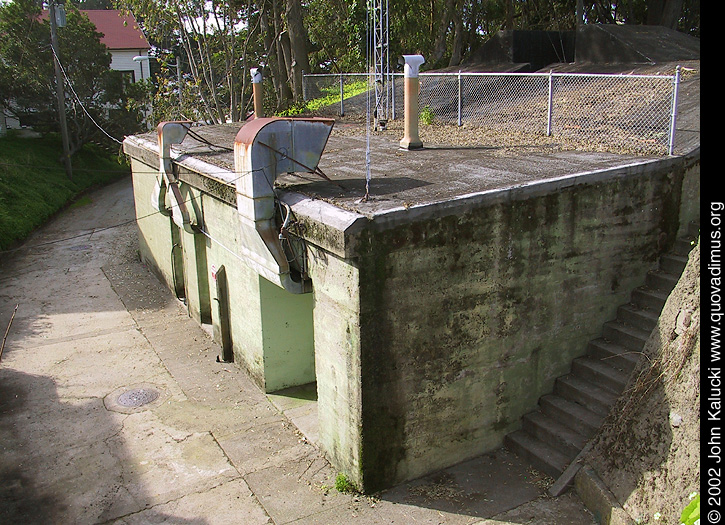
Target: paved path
pixel 94 326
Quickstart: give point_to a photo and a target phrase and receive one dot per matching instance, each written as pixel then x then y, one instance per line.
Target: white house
pixel 124 39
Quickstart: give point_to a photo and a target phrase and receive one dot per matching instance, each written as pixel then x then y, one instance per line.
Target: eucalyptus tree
pixel 203 36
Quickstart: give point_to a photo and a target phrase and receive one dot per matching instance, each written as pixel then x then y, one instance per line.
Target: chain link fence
pixel 634 113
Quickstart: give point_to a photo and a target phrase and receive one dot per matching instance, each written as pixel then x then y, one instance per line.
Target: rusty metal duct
pixel 263 149
pixel 166 196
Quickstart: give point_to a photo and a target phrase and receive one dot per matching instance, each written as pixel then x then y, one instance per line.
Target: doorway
pixel 224 316
pixel 177 263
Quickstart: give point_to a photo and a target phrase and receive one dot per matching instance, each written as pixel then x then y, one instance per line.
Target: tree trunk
pixel 283 55
pixel 457 47
pixel 439 46
pixel 298 46
pixel 271 48
pixel 664 12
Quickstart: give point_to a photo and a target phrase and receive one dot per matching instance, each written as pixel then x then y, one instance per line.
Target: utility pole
pixel 59 87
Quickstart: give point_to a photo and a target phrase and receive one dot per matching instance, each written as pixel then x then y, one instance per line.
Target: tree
pixel 219 41
pixel 27 86
pixel 205 35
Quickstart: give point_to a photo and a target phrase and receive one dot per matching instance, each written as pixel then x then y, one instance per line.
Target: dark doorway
pixel 222 298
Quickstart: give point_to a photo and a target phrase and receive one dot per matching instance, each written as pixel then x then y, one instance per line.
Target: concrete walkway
pixel 113 409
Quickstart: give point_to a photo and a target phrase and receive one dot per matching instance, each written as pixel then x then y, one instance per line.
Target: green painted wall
pixel 336 316
pixel 221 240
pixel 288 337
pixel 155 240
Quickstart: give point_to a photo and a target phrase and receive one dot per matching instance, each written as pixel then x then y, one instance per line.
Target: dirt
pixel 648 452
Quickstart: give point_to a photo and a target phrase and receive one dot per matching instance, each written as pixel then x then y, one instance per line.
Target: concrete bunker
pixel 430 317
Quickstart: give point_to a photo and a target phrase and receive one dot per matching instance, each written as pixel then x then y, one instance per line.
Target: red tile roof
pixel 120 31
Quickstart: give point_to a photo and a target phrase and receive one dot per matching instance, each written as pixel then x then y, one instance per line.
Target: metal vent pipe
pixel 166 196
pixel 411 140
pixel 263 149
pixel 257 92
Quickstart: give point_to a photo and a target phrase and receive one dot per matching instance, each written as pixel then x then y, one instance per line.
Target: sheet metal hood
pixel 263 149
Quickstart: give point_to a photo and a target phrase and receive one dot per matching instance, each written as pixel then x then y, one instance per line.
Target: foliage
pixel 691 513
pixel 426 115
pixel 330 96
pixel 344 485
pixel 210 41
pixel 27 76
pixel 337 31
pixel 34 186
pixel 218 42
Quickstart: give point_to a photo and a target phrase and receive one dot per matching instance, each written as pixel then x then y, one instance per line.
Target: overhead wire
pixel 94 230
pixel 80 102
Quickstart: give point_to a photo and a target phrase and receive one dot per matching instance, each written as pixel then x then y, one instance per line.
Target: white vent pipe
pixel 411 140
pixel 257 92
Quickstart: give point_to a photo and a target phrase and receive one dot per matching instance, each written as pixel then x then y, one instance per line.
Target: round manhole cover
pixel 137 397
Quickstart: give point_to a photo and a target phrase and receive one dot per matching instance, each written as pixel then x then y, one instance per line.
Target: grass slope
pixel 34 186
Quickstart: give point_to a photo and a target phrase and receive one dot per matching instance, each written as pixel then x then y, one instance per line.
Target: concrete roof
pixel 442 174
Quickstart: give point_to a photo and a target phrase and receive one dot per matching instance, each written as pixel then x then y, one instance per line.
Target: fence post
pixel 342 96
pixel 550 109
pixel 392 94
pixel 460 100
pixel 304 86
pixel 673 119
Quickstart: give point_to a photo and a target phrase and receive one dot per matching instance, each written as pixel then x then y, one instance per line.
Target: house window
pixel 129 77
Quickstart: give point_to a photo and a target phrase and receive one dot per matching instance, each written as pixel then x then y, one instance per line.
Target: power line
pixel 80 103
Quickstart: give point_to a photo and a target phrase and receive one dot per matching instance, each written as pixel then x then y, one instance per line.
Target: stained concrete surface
pixel 92 322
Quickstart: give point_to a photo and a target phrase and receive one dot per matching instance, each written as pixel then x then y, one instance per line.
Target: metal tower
pixel 379 29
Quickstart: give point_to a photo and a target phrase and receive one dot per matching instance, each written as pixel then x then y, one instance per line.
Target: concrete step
pixel 693 229
pixel 579 418
pixel 638 317
pixel 589 395
pixel 626 335
pixel 552 436
pixel 673 263
pixel 649 299
pixel 661 281
pixel 554 433
pixel 617 354
pixel 683 246
pixel 602 373
pixel 540 455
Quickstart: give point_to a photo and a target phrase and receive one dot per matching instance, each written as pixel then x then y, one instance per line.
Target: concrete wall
pixel 282 339
pixel 469 314
pixel 337 360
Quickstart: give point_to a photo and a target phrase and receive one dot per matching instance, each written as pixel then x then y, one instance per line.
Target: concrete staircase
pixel 552 436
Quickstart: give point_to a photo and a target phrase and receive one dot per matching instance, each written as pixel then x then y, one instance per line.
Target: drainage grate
pixel 137 397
